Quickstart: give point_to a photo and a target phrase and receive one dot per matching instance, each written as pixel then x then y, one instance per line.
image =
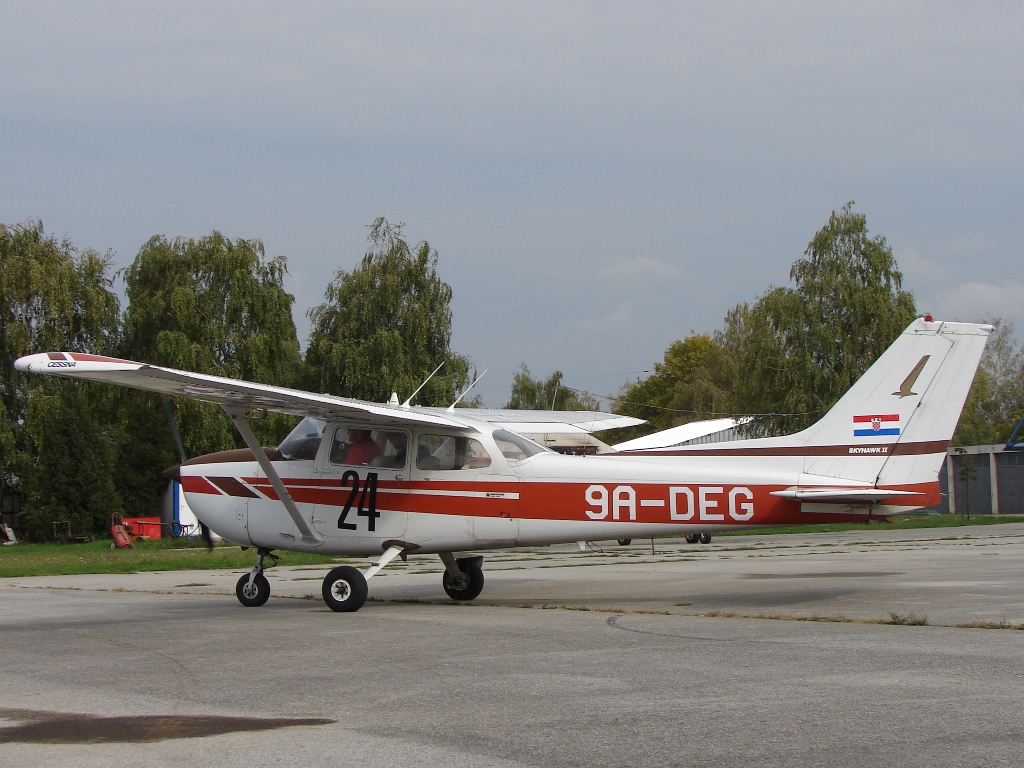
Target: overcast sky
pixel 599 179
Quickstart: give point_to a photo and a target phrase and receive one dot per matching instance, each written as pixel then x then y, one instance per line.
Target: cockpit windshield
pixel 516 447
pixel 303 442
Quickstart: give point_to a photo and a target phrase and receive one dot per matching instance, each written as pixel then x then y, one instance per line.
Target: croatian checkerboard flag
pixel 876 425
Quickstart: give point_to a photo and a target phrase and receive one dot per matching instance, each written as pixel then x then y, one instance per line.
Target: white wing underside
pixel 551 422
pixel 245 394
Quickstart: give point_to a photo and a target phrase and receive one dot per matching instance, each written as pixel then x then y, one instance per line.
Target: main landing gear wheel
pixel 253 591
pixel 705 538
pixel 472 581
pixel 692 538
pixel 344 589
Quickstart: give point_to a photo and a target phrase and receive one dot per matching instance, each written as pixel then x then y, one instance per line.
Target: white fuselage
pixel 541 499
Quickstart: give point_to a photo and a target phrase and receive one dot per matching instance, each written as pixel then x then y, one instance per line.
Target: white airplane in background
pixel 368 479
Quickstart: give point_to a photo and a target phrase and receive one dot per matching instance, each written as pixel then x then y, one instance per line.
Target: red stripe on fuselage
pixel 194 484
pixel 923 448
pixel 683 503
pixel 232 486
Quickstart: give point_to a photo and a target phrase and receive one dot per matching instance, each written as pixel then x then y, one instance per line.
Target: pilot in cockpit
pixel 361 448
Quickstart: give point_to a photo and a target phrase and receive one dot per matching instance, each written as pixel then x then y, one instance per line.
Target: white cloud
pixel 537 145
pixel 637 269
pixel 615 321
pixel 976 301
pixel 917 269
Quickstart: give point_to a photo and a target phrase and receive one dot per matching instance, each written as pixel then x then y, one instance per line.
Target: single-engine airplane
pixel 369 479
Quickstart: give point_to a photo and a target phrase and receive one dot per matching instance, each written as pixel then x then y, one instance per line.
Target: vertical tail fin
pixel 893 426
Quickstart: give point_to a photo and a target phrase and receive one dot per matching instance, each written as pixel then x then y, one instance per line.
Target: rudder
pixel 894 424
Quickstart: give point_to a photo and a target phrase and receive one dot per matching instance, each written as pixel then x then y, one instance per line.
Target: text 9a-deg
pixel 367 504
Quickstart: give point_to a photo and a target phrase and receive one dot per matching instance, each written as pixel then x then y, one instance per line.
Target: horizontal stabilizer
pixel 823 495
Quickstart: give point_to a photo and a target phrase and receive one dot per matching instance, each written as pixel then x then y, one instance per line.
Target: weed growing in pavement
pixel 911 619
pixel 1003 624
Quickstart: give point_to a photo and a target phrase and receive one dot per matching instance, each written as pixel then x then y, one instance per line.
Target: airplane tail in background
pixel 892 428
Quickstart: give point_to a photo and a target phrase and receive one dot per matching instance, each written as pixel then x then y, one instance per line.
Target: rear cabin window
pixel 445 452
pixel 362 447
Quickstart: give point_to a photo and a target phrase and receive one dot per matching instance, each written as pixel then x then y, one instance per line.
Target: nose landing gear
pixel 253 589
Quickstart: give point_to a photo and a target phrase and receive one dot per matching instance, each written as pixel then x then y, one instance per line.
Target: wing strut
pixel 309 537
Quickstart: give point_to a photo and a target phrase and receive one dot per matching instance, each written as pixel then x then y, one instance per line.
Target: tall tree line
pixel 783 360
pixel 78 452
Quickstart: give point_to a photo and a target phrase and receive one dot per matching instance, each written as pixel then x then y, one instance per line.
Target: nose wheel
pixel 253 589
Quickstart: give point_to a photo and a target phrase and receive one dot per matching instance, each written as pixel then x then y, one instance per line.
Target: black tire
pixel 692 538
pixel 470 567
pixel 255 595
pixel 705 538
pixel 344 589
pixel 625 542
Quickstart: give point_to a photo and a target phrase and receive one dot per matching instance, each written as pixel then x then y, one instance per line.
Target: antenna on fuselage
pixel 451 408
pixel 408 402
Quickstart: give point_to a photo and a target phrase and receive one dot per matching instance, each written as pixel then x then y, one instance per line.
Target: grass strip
pixel 161 555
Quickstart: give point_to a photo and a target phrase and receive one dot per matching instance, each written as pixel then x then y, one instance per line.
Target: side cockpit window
pixel 303 442
pixel 358 446
pixel 445 452
pixel 516 447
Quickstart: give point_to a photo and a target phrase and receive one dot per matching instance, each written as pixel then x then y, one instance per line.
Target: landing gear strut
pixel 463 577
pixel 253 589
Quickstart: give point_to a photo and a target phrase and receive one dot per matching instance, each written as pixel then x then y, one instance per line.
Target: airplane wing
pixel 223 391
pixel 232 392
pixel 552 422
pixel 675 436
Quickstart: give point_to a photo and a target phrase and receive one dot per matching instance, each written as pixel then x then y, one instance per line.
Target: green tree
pixel 54 297
pixel 211 305
pixel 384 326
pixel 799 349
pixel 995 403
pixel 74 462
pixel 548 394
pixel 693 382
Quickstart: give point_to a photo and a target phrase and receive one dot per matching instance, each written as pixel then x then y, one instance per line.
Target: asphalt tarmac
pixel 824 649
